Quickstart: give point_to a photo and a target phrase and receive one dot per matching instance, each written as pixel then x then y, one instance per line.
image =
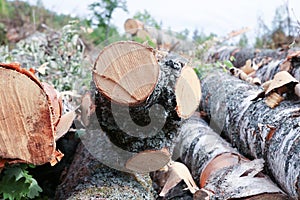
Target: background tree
pixel 282 32
pixel 147 19
pixel 102 13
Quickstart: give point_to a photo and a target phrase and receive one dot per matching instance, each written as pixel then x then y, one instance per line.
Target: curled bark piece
pixel 175 173
pixel 280 80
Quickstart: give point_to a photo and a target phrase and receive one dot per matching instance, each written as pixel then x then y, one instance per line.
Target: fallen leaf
pixel 177 172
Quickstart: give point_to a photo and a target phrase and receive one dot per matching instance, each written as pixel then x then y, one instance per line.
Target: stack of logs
pixel 140 115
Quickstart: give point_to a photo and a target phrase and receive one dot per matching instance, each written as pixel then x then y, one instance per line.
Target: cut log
pixel 257 130
pixel 132 26
pixel 88 178
pixel 153 158
pixel 164 40
pixel 126 72
pixel 219 168
pixel 187 98
pixel 27 128
pixel 140 102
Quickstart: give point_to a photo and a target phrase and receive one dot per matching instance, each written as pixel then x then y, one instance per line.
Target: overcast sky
pixel 217 16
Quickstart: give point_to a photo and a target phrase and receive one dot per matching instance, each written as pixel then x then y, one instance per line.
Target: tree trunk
pixel 87 178
pixel 140 102
pixel 254 128
pixel 219 168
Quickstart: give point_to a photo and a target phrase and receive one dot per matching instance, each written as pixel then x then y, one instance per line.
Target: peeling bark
pixel 255 129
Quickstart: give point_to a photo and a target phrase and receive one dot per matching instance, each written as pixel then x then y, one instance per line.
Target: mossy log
pixel 257 130
pixel 87 178
pixel 219 168
pixel 140 102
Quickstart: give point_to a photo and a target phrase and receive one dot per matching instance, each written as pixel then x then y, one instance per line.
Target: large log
pixel 254 128
pixel 87 178
pixel 27 120
pixel 140 102
pixel 219 168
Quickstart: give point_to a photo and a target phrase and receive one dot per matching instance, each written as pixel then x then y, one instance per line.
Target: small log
pixel 132 26
pixel 140 102
pixel 219 168
pixel 27 131
pixel 88 178
pixel 164 39
pixel 258 131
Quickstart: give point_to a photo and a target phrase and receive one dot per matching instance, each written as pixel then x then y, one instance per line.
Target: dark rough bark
pixel 87 178
pixel 254 128
pixel 151 125
pixel 199 146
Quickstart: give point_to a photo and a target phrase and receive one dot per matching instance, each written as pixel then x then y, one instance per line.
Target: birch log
pixel 219 168
pixel 254 128
pixel 139 101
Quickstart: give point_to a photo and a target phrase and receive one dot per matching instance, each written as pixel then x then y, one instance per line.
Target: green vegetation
pixel 282 32
pixel 147 19
pixel 16 183
pixel 102 15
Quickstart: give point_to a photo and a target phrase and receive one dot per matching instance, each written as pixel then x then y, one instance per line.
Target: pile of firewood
pixel 139 117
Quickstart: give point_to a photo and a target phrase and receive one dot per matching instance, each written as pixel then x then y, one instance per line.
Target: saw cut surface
pixel 126 72
pixel 26 129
